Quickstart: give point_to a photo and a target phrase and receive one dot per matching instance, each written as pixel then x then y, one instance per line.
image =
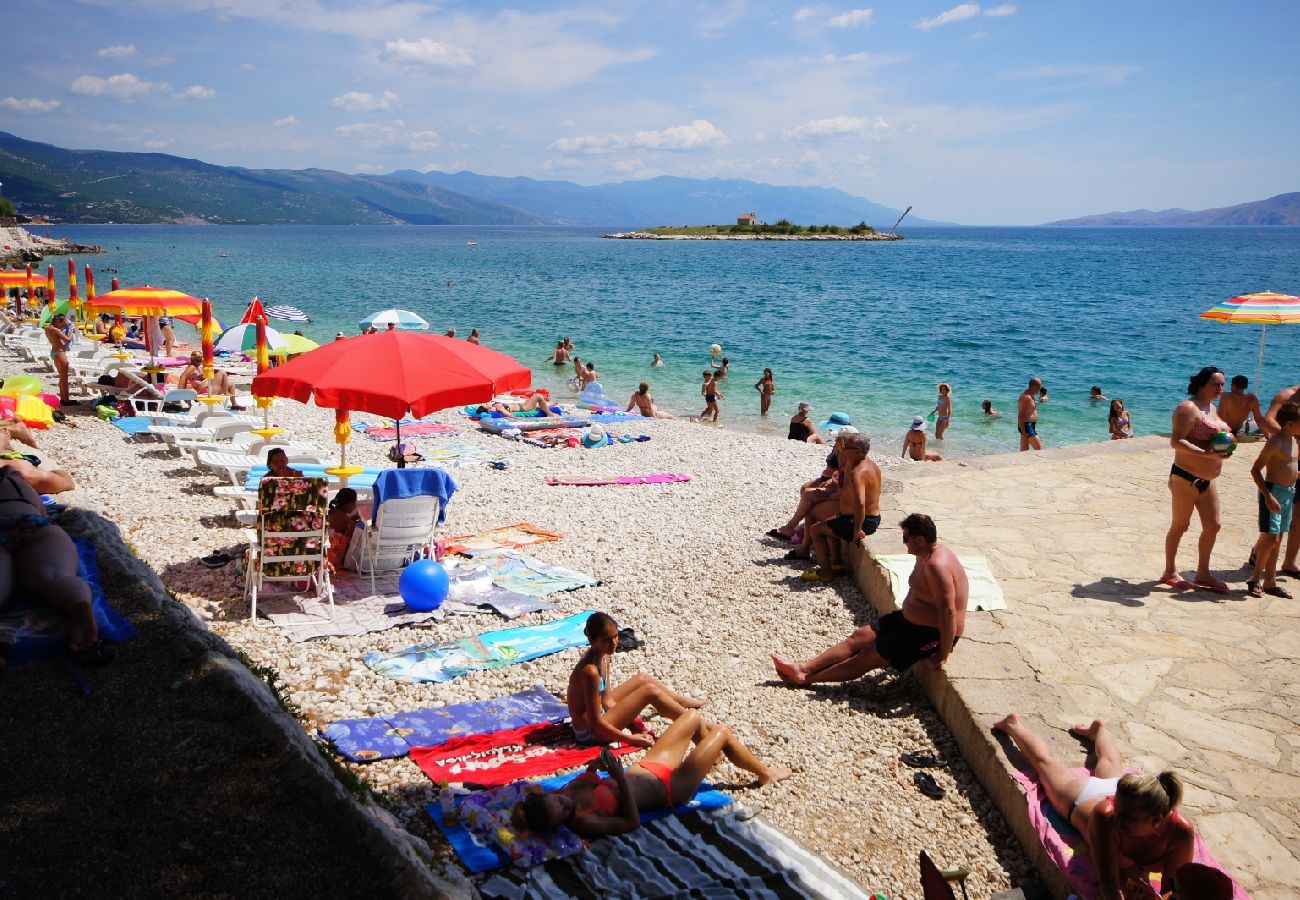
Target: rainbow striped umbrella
pixel 1263 309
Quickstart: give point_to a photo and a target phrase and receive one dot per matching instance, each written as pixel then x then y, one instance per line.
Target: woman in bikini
pixel 1191 479
pixel 38 558
pixel 1121 423
pixel 191 378
pixel 1129 821
pixel 645 404
pixel 914 443
pixel 766 387
pixel 942 410
pixel 56 332
pixel 666 777
pixel 599 710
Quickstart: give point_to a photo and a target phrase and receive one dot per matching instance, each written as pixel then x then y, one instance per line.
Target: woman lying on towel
pixel 535 402
pixel 1126 819
pixel 599 710
pixel 666 777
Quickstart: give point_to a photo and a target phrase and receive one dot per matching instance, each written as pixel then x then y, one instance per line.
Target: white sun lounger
pixel 236 466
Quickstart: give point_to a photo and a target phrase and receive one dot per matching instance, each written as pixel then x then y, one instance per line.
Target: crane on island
pixel 900 219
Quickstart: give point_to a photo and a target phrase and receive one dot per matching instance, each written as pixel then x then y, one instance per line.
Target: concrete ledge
pixel 298 760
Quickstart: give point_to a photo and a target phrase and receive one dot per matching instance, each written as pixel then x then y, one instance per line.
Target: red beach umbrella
pixel 253 312
pixel 392 373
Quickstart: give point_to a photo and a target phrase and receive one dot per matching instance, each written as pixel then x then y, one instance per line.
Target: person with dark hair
pixel 928 626
pixel 277 465
pixel 1197 463
pixel 473 336
pixel 599 710
pixel 645 404
pixel 857 510
pixel 56 332
pixel 666 777
pixel 1239 404
pixel 343 518
pixel 1027 416
pixel 1274 473
pixel 1126 819
pixel 1269 425
pixel 1121 423
pixel 766 387
pixel 560 356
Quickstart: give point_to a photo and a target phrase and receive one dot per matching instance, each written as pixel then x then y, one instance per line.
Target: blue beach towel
pixel 494 650
pixel 132 424
pixel 394 484
pixel 607 418
pixel 35 632
pixel 386 737
pixel 479 857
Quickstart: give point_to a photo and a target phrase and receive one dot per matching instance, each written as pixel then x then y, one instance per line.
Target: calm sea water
pixel 862 328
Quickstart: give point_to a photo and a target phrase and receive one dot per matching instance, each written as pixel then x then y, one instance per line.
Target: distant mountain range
pixel 107 186
pixel 1284 209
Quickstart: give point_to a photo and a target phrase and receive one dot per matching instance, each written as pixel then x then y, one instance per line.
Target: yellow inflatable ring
pixel 20 384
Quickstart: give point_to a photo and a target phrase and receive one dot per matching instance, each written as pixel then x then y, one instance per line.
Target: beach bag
pixel 404 451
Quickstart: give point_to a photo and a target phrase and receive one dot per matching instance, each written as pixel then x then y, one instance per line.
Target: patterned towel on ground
pixel 985 592
pixel 494 650
pixel 32 631
pixel 587 481
pixel 480 857
pixel 387 737
pixel 711 854
pixel 132 424
pixel 607 418
pixel 414 430
pixel 1067 848
pixel 454 454
pixel 522 574
pixel 500 757
pixel 507 537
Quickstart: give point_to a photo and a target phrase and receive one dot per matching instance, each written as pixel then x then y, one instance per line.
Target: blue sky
pixel 981 113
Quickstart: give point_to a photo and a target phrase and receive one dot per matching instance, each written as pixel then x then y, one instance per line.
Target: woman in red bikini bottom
pixel 666 777
pixel 1197 463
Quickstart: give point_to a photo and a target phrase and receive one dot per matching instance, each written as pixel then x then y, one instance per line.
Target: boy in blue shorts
pixel 1275 476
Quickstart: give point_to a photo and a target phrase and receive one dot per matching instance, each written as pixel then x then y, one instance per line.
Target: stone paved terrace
pixel 1205 684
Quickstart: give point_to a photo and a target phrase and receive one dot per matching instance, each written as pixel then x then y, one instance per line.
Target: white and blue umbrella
pixel 401 318
pixel 243 339
pixel 286 313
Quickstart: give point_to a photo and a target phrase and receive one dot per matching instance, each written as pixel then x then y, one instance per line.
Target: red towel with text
pixel 501 757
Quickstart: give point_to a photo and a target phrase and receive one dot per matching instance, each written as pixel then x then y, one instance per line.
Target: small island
pixel 747 229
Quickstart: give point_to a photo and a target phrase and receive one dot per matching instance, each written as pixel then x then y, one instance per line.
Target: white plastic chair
pixel 403 530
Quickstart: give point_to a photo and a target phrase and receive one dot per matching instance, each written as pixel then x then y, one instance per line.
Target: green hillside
pixel 104 186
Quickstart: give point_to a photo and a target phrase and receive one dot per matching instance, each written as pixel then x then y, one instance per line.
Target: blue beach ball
pixel 424 585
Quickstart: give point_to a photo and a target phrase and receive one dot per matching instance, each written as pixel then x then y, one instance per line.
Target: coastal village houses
pixel 747 219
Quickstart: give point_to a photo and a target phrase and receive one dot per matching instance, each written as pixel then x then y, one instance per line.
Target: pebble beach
pixel 685 565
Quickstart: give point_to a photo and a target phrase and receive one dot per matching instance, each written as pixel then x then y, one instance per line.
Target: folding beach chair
pixel 290 543
pixel 403 532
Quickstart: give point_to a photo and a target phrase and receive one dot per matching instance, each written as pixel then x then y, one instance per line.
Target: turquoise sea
pixel 863 328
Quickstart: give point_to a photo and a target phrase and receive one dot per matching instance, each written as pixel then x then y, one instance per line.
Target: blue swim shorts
pixel 1277 522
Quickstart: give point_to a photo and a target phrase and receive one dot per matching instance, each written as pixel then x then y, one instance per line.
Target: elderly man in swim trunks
pixel 928 626
pixel 1027 416
pixel 1268 424
pixel 859 508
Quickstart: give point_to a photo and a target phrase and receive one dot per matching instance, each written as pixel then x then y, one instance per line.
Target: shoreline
pixel 650 236
pixel 18 245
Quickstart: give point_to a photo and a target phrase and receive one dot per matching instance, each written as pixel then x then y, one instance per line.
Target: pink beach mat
pixel 1069 851
pixel 415 429
pixel 657 478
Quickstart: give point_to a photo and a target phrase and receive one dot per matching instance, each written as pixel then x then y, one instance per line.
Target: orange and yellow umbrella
pixel 147 301
pixel 1263 309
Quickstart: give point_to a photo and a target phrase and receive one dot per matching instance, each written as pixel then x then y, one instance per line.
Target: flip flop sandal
pixel 1178 584
pixel 927 785
pixel 923 760
pixel 1213 587
pixel 795 554
pixel 1276 591
pixel 1289 573
pixel 775 533
pixel 1252 588
pixel 216 560
pixel 627 640
pixel 815 577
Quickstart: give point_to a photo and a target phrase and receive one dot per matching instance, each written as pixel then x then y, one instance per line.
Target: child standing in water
pixel 709 389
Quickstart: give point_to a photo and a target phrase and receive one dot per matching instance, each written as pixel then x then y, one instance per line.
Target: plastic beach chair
pixel 402 533
pixel 290 543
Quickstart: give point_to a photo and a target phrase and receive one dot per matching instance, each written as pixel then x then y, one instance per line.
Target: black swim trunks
pixel 904 643
pixel 842 526
pixel 1029 429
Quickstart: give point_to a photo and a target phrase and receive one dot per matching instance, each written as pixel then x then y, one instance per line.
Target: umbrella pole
pixel 401 457
pixel 1259 363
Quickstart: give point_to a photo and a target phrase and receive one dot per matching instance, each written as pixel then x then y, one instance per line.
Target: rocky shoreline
pixel 18 245
pixel 651 236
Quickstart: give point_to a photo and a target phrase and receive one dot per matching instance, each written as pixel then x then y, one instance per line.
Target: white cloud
pixel 1083 75
pixel 360 101
pixel 947 17
pixel 852 18
pixel 840 126
pixel 157 144
pixel 125 87
pixel 29 104
pixel 428 52
pixel 287 120
pixel 804 13
pixel 1006 9
pixel 422 141
pixel 365 129
pixel 195 92
pixel 700 133
pixel 118 51
pixel 244 68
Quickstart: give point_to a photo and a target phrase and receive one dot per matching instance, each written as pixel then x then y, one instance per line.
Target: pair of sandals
pixel 217 559
pixel 628 640
pixel 1253 589
pixel 924 781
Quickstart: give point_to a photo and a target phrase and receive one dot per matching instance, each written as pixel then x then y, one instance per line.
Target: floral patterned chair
pixel 290 544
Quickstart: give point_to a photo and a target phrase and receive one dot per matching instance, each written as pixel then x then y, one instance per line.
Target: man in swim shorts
pixel 1269 425
pixel 1237 406
pixel 927 627
pixel 859 508
pixel 1027 416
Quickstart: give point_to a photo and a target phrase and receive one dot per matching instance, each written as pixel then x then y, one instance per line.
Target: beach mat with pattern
pixel 32 631
pixel 511 754
pixel 388 737
pixel 507 537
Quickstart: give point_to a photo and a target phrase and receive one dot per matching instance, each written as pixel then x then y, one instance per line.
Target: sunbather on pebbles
pixel 666 777
pixel 645 404
pixel 928 626
pixel 506 407
pixel 1126 819
pixel 599 710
